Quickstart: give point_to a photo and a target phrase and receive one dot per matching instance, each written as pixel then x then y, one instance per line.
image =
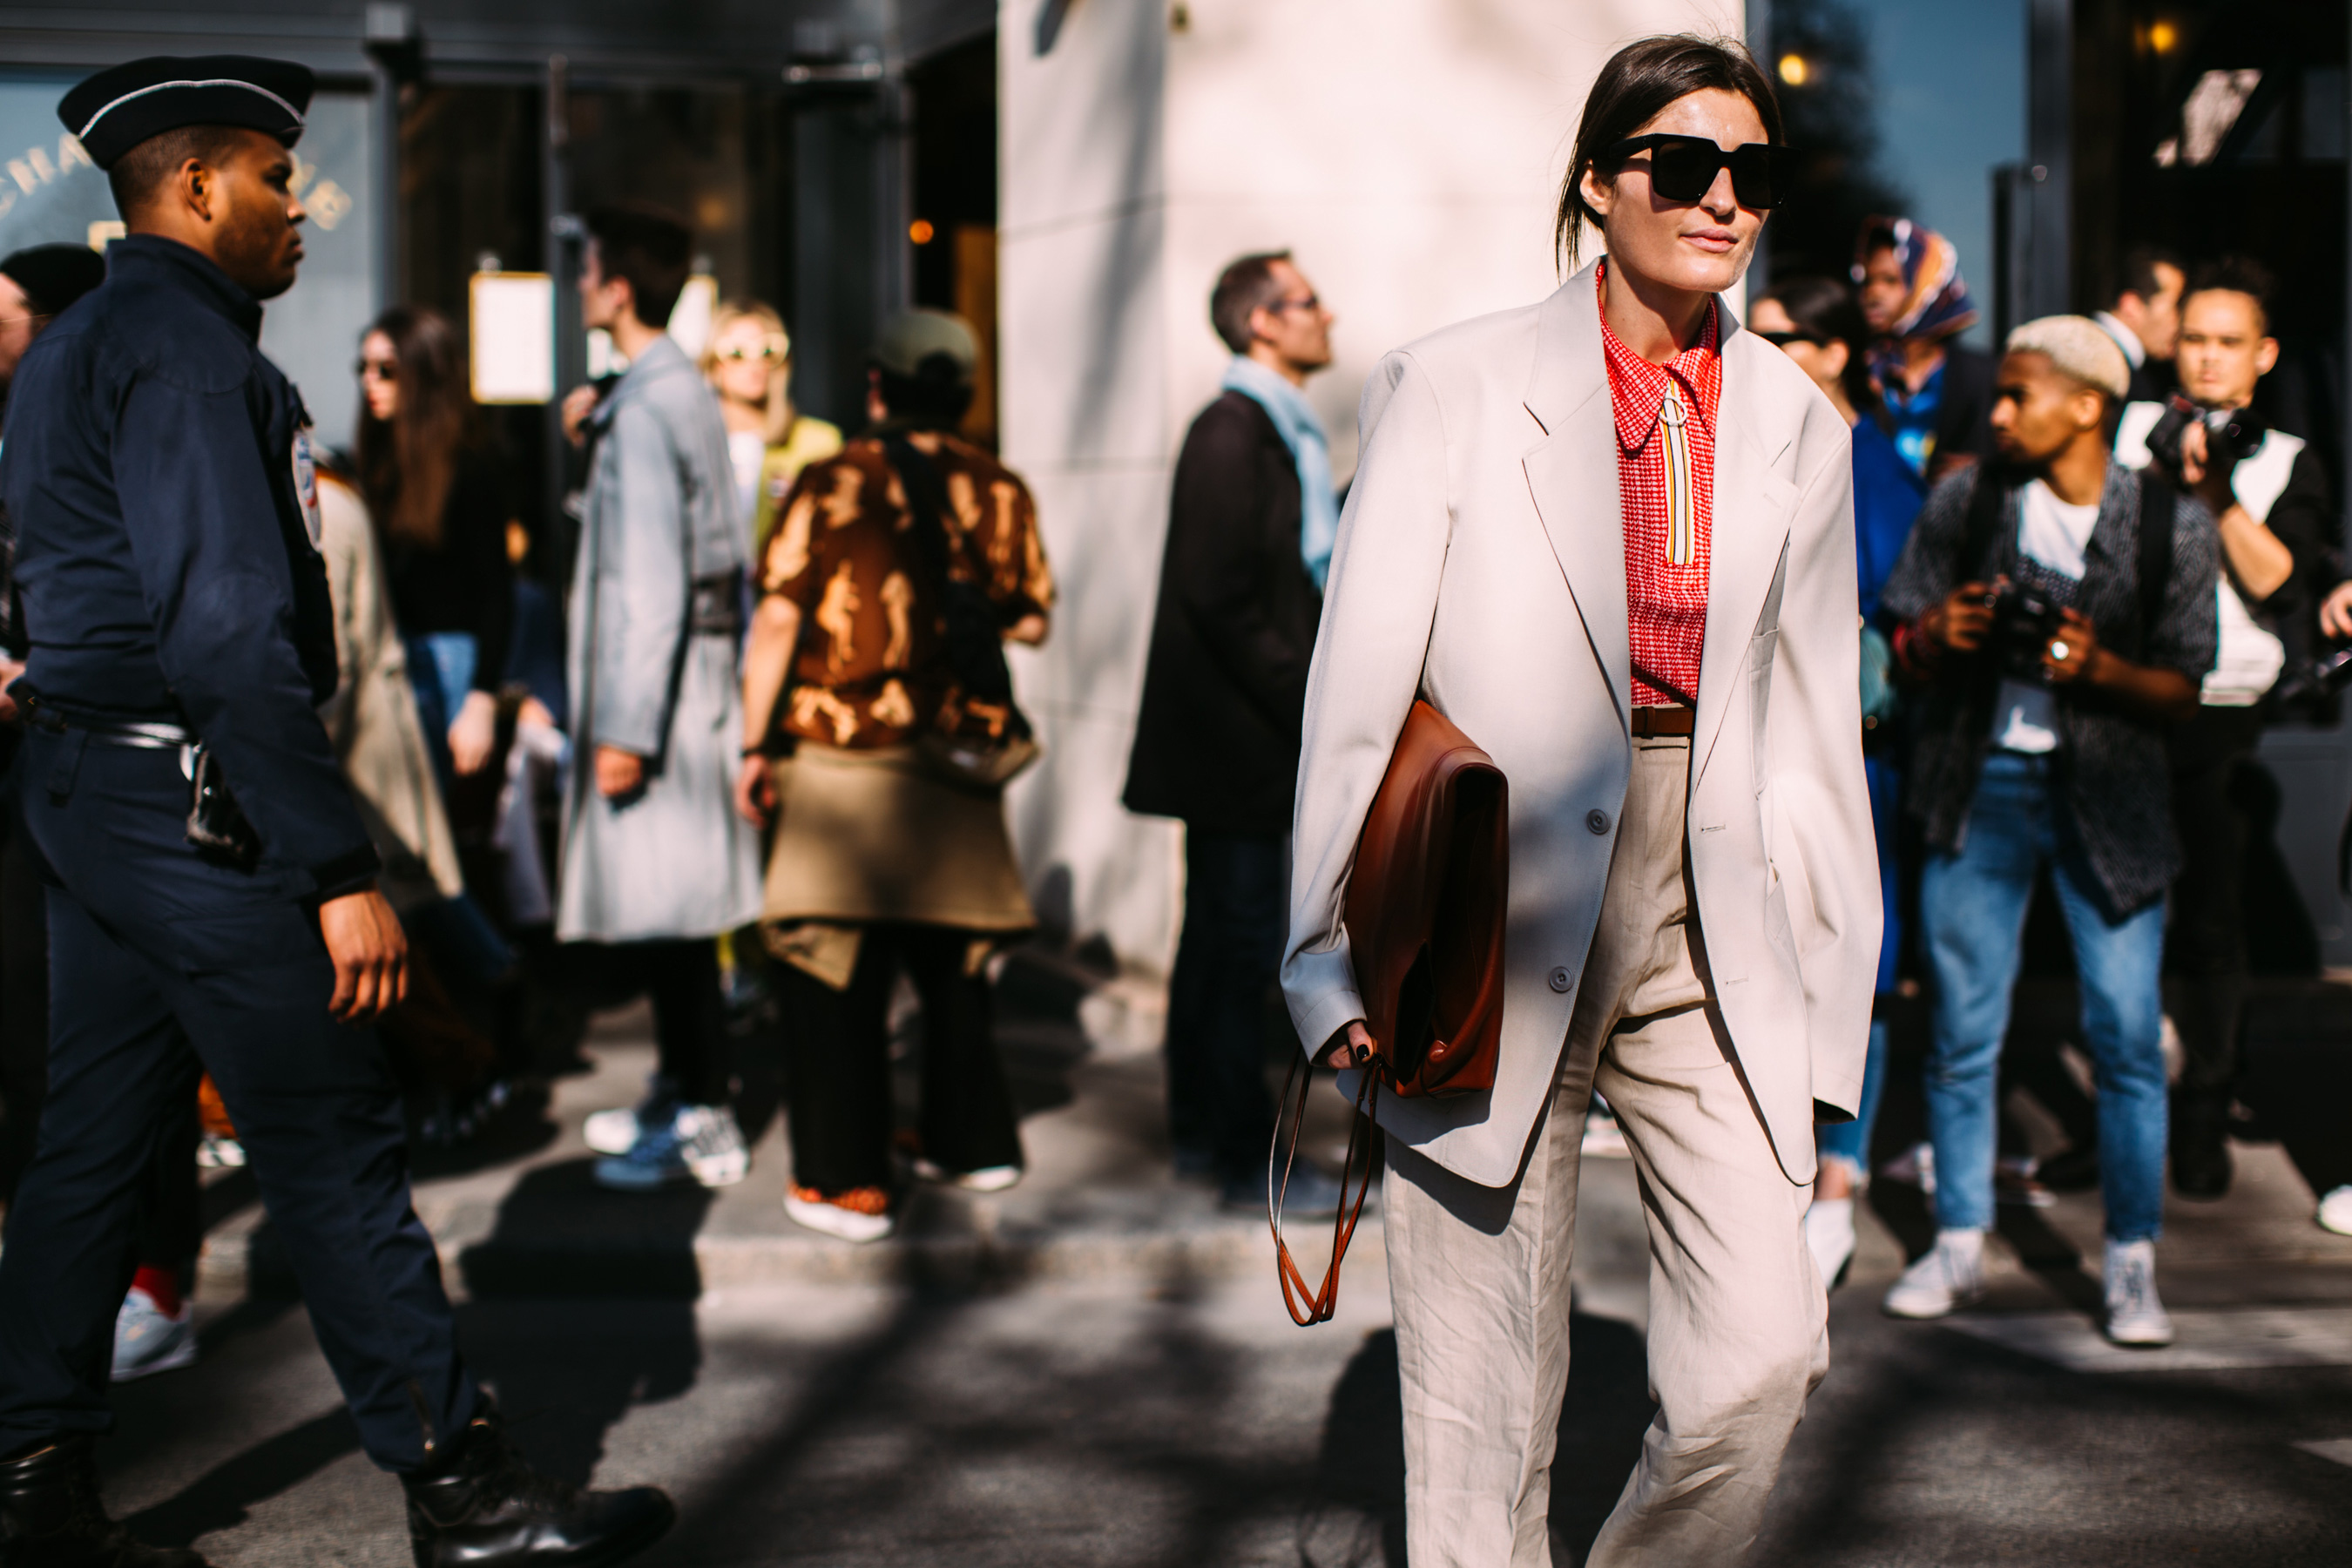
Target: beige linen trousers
pixel 1481 565
pixel 1739 1319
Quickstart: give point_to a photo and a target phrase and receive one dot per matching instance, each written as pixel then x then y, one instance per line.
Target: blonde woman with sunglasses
pixel 748 363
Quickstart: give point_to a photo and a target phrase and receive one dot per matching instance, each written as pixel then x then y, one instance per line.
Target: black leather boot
pixel 484 1508
pixel 2202 1167
pixel 50 1516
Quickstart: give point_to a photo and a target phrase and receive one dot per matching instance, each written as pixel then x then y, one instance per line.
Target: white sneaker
pixel 1604 1139
pixel 2335 1211
pixel 2135 1317
pixel 1949 1276
pixel 616 1131
pixel 214 1152
pixel 1829 1231
pixel 714 1145
pixel 147 1340
pixel 987 1179
pixel 804 1206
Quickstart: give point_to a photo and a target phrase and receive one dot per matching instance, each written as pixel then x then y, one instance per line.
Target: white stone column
pixel 1408 152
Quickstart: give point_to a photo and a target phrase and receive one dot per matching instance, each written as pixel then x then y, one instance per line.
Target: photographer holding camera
pixel 2268 495
pixel 2059 609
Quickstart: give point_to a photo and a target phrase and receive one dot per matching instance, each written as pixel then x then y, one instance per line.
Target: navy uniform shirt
pixel 166 568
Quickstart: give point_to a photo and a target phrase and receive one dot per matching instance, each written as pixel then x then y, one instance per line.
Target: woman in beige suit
pixel 1611 536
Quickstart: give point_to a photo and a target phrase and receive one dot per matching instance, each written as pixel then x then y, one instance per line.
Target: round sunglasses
pixel 1682 168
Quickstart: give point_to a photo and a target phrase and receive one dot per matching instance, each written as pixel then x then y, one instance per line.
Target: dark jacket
pixel 165 561
pixel 1217 742
pixel 2112 772
pixel 1964 418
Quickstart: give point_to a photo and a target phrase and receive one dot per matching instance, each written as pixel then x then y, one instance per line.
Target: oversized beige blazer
pixel 1481 563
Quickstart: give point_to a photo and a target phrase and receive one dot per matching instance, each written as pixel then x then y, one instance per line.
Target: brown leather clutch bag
pixel 1425 908
pixel 1424 918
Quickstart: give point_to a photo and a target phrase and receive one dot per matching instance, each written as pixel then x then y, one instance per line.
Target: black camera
pixel 2023 622
pixel 2323 676
pixel 2232 434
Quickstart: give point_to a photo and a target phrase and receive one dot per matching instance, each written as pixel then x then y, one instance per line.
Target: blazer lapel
pixel 1572 472
pixel 1751 520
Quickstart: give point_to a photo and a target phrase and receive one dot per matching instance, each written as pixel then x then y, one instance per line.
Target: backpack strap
pixel 1988 493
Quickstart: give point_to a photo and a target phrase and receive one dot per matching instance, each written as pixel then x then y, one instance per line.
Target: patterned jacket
pixel 871 668
pixel 2111 767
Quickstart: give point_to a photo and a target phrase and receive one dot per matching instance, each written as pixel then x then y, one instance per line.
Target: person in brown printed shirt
pixel 869 665
pixel 878 861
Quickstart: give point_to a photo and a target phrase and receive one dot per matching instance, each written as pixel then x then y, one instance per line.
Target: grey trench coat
pixel 674 859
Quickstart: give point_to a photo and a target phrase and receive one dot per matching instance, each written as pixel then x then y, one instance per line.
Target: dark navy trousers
pixel 163 965
pixel 1235 913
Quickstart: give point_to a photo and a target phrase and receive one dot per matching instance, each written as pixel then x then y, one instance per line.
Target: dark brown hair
pixel 408 463
pixel 650 246
pixel 2234 275
pixel 1825 310
pixel 1637 85
pixel 1246 287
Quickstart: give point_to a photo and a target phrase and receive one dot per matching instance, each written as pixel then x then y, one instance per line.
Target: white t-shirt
pixel 2248 661
pixel 748 450
pixel 2053 535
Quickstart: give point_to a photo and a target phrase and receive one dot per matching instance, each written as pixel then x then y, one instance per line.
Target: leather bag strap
pixel 1311 1305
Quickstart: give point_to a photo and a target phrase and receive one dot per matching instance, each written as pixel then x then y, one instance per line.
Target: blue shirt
pixel 165 563
pixel 1887 495
pixel 1916 413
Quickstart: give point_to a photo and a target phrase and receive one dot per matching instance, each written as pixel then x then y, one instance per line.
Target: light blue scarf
pixel 1294 420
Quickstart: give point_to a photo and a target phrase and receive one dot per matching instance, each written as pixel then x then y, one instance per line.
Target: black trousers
pixel 162 966
pixel 841 1110
pixel 2205 941
pixel 172 1229
pixel 1227 959
pixel 681 978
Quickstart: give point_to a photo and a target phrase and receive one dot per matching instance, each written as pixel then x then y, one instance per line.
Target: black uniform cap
pixel 55 275
pixel 123 105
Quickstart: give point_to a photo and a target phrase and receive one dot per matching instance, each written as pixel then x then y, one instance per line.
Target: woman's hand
pixel 755 791
pixel 618 772
pixel 474 733
pixel 1351 1047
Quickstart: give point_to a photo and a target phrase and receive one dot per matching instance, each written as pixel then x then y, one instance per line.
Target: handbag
pixel 974 635
pixel 1424 915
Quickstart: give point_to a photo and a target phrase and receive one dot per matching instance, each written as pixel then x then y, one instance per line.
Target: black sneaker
pixel 2070 1170
pixel 2202 1168
pixel 484 1508
pixel 50 1516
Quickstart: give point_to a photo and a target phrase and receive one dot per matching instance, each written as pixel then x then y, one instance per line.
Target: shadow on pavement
pixel 221 1497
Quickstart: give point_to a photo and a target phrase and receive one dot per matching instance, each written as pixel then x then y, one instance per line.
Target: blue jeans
pixel 1972 914
pixel 1850 1141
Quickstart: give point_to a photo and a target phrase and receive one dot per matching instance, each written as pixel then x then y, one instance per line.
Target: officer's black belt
pixel 134 734
pixel 717 609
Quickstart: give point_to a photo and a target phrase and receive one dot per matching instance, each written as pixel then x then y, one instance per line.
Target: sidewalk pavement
pixel 517 1211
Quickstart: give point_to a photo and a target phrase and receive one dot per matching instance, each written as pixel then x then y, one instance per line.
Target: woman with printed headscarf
pixel 1938 392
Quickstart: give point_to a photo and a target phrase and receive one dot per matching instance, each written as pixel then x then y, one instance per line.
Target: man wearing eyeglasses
pixel 1250 528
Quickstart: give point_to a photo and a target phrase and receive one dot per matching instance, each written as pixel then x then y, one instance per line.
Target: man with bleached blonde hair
pixel 2059 609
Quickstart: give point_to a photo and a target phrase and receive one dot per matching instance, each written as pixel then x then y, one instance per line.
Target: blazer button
pixel 1560 979
pixel 1597 820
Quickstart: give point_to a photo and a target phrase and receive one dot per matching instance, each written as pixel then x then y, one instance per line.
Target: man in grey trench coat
pixel 654 860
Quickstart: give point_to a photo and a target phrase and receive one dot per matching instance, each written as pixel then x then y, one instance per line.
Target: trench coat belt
pixel 1671 718
pixel 716 609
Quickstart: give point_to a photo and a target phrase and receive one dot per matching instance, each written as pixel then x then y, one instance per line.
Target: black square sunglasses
pixel 1682 168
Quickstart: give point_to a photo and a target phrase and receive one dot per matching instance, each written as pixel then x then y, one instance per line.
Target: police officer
pixel 214 904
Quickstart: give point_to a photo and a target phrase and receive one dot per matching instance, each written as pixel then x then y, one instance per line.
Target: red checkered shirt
pixel 1665 477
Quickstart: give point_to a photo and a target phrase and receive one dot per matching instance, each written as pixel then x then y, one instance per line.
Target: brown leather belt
pixel 1671 720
